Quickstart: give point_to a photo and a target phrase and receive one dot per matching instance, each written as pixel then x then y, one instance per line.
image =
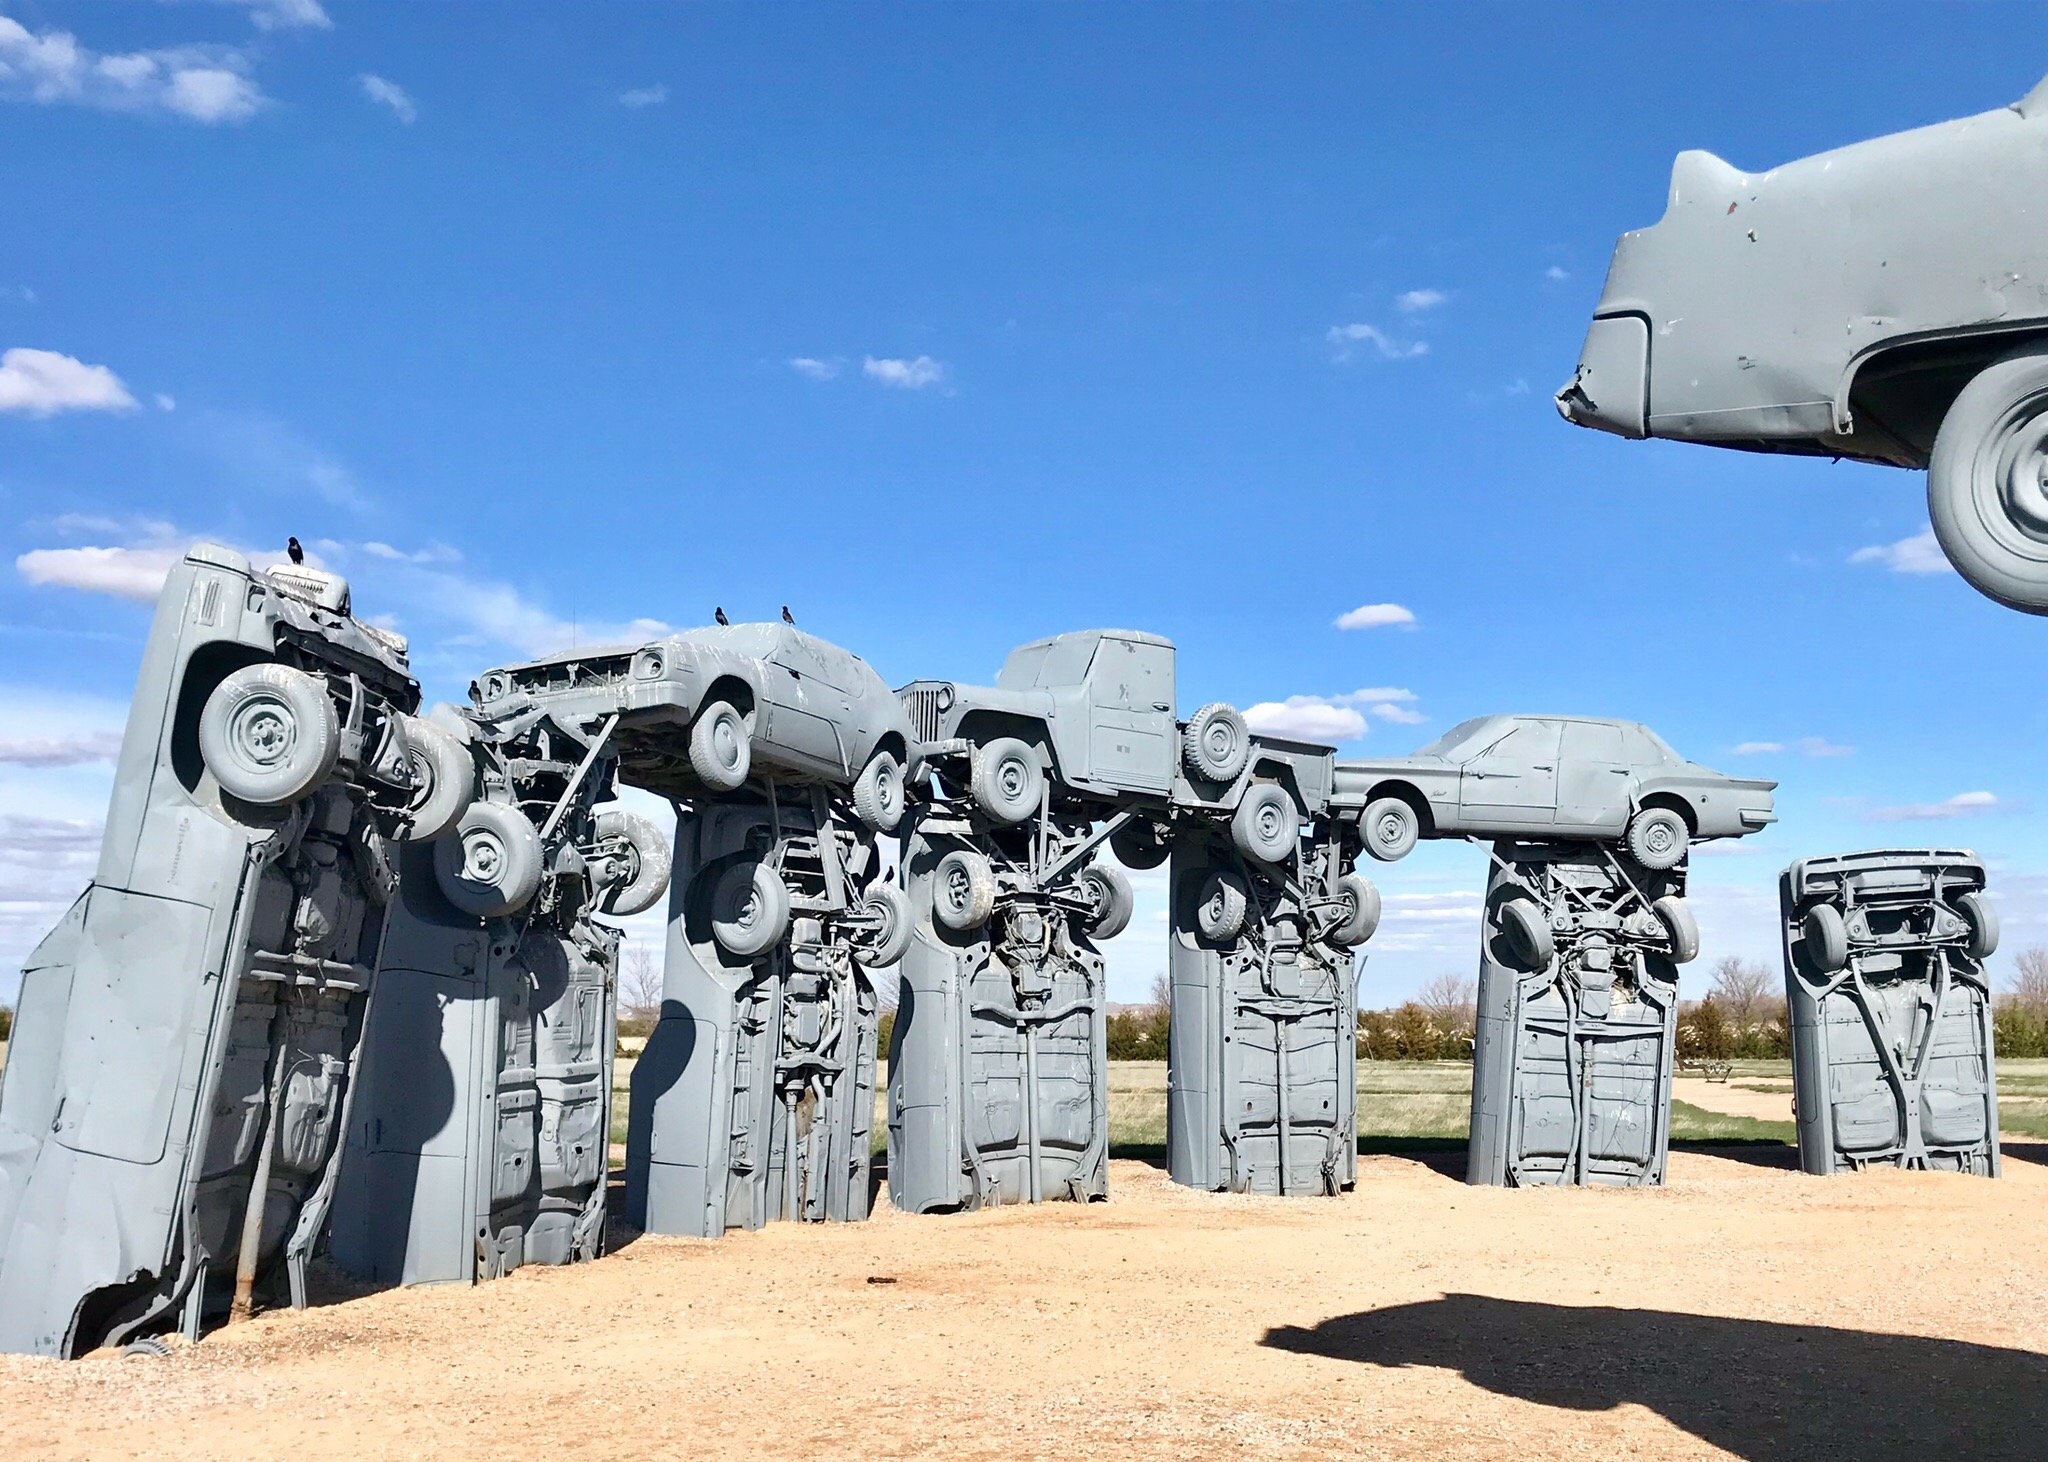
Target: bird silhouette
pixel 292 548
pixel 787 617
pixel 719 615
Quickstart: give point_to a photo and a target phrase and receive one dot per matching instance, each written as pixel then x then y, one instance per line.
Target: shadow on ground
pixel 1762 1152
pixel 1754 1388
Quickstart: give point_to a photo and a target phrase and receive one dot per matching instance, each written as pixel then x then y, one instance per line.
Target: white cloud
pixel 134 570
pixel 1555 273
pixel 45 863
pixel 199 83
pixel 1920 554
pixel 1307 718
pixel 70 750
pixel 166 403
pixel 644 96
pixel 1758 748
pixel 1821 746
pixel 1415 301
pixel 1519 386
pixel 1963 804
pixel 1376 616
pixel 287 14
pixel 497 614
pixel 389 94
pixel 432 553
pixel 44 382
pixel 910 375
pixel 816 369
pixel 1346 341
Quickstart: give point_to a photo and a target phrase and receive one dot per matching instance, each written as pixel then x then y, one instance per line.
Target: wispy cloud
pixel 390 94
pixel 1818 746
pixel 1963 804
pixel 44 382
pixel 74 749
pixel 1758 748
pixel 1415 301
pixel 909 375
pixel 1554 273
pixel 1376 616
pixel 208 84
pixel 278 14
pixel 815 368
pixel 644 96
pixel 1920 554
pixel 274 457
pixel 1347 342
pixel 491 613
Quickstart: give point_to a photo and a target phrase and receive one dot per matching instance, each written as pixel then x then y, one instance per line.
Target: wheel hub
pixel 2023 476
pixel 263 732
pixel 483 858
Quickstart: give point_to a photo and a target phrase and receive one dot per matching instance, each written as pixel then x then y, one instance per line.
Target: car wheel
pixel 1681 930
pixel 721 747
pixel 1141 844
pixel 878 793
pixel 1105 886
pixel 1390 828
pixel 749 910
pixel 639 856
pixel 1529 939
pixel 1826 938
pixel 1006 781
pixel 490 865
pixel 1220 910
pixel 443 779
pixel 1266 825
pixel 1360 899
pixel 269 734
pixel 890 906
pixel 1986 493
pixel 1657 839
pixel 963 890
pixel 1216 743
pixel 1982 918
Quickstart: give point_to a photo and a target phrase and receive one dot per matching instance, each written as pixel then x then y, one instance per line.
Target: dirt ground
pixel 1742 1310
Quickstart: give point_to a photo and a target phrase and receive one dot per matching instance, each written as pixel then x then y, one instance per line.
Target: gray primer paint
pixel 217 968
pixel 1891 1011
pixel 1571 1078
pixel 1262 1079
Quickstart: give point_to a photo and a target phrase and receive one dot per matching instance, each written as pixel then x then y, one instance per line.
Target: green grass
pixel 2024 1118
pixel 1697 1125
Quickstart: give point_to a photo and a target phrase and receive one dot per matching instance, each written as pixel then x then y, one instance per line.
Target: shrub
pixel 6 1022
pixel 1411 1032
pixel 1138 1034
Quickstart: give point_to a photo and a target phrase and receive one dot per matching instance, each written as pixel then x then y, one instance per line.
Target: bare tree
pixel 2030 981
pixel 1741 989
pixel 1162 990
pixel 1452 1001
pixel 639 984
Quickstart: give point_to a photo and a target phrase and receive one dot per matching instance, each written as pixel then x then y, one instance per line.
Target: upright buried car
pixel 187 1035
pixel 1886 301
pixel 1551 777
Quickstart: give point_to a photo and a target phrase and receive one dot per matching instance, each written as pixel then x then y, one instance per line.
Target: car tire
pixel 1105 887
pixel 1681 930
pixel 443 779
pixel 1216 743
pixel 1985 493
pixel 1006 781
pixel 721 747
pixel 1221 905
pixel 1266 825
pixel 1527 931
pixel 269 734
pixel 878 792
pixel 749 910
pixel 490 864
pixel 1141 844
pixel 892 906
pixel 645 856
pixel 1826 938
pixel 1657 839
pixel 963 891
pixel 1982 918
pixel 1361 918
pixel 1390 828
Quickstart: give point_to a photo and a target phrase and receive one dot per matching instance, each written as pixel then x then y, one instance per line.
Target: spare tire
pixel 269 734
pixel 1216 743
pixel 443 779
pixel 490 865
pixel 1267 825
pixel 1680 928
pixel 749 909
pixel 1220 907
pixel 1982 918
pixel 892 907
pixel 1826 938
pixel 1110 892
pixel 1526 929
pixel 638 845
pixel 1362 917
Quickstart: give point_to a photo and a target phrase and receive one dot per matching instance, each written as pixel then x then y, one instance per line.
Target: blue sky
pixel 955 326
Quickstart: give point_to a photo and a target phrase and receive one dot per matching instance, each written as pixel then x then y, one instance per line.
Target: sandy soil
pixel 1731 1099
pixel 1742 1310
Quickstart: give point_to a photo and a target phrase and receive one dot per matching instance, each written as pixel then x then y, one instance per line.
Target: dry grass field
pixel 1743 1310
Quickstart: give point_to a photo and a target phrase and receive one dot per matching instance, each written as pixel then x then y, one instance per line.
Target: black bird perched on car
pixel 294 551
pixel 719 615
pixel 787 617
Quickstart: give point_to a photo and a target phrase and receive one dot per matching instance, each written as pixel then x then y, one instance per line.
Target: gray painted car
pixel 187 1036
pixel 1886 301
pixel 1560 777
pixel 751 701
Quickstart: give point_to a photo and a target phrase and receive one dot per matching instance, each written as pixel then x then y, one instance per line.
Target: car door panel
pixel 1594 779
pixel 1513 782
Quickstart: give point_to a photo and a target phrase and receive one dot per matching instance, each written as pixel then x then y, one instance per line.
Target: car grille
pixel 926 710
